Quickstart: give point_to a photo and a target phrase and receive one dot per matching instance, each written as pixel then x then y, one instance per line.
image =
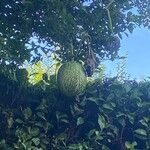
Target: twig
pixel 109 17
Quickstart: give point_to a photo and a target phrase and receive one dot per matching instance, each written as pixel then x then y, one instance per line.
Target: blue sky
pixel 137 46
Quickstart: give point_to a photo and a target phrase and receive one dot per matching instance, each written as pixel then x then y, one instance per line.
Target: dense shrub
pixel 110 115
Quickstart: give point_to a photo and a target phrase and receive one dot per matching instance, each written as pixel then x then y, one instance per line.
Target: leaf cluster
pixel 65 24
pixel 110 115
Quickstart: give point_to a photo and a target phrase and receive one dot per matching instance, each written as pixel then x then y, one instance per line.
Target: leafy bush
pixel 110 115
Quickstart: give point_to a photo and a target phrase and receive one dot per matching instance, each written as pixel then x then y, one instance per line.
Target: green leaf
pixel 141 132
pixel 90 134
pixel 74 147
pixel 94 134
pixel 62 117
pixel 131 118
pixel 143 122
pixel 2 142
pixel 134 143
pixel 64 120
pixel 130 145
pixel 62 136
pixel 114 129
pixel 36 141
pixel 127 88
pixel 121 118
pixel 101 122
pixel 108 106
pixel 41 115
pixel 147 119
pixel 148 91
pixel 45 141
pixel 34 131
pixel 80 121
pixel 98 135
pixel 19 121
pixel 27 113
pixel 122 121
pixel 97 101
pixel 110 97
pixel 104 147
pixel 10 122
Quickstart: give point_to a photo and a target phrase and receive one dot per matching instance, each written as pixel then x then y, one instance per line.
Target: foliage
pixel 27 27
pixel 36 72
pixel 42 70
pixel 110 115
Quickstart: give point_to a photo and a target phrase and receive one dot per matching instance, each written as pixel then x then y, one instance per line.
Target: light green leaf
pixel 36 141
pixel 108 106
pixel 141 132
pixel 19 121
pixel 101 122
pixel 97 101
pixel 127 88
pixel 147 119
pixel 143 122
pixel 91 133
pixel 64 120
pixel 2 142
pixel 62 136
pixel 130 145
pixel 80 121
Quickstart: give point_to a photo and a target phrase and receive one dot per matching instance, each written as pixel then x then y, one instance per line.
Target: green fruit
pixel 71 79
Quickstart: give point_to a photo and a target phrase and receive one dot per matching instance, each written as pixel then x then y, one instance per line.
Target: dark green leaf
pixel 27 113
pixel 34 131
